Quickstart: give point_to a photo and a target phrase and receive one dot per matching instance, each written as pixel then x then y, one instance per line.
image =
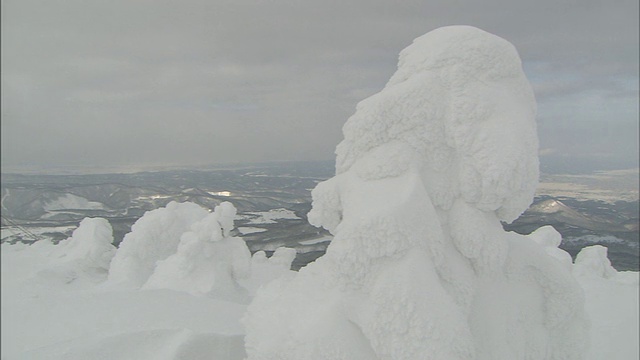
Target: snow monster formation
pixel 420 266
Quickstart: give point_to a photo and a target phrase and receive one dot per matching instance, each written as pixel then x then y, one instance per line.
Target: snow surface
pixel 46 316
pixel 316 241
pixel 246 230
pixel 430 270
pixel 59 302
pixel 9 232
pixel 71 201
pixel 598 239
pixel 268 217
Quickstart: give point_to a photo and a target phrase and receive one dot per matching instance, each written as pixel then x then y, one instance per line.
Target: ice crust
pixel 419 266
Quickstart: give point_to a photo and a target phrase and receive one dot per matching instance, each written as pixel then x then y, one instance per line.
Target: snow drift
pixel 419 265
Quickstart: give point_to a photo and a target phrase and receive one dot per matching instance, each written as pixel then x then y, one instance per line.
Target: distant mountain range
pixel 51 206
pixel 555 212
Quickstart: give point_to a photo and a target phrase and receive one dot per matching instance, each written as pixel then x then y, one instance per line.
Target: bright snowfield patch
pixel 58 304
pixel 72 202
pixel 268 217
pixel 246 230
pixel 429 272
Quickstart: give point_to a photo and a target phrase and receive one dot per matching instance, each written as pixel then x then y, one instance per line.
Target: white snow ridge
pixel 429 273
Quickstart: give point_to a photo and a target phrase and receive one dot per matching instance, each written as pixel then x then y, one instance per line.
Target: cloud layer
pixel 194 82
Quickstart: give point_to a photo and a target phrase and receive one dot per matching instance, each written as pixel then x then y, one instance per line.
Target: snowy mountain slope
pixel 286 186
pixel 553 210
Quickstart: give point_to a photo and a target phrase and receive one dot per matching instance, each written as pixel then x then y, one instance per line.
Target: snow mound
pixel 90 245
pixel 207 260
pixel 155 236
pixel 82 259
pixel 593 261
pixel 265 270
pixel 419 263
pixel 549 238
pixel 283 257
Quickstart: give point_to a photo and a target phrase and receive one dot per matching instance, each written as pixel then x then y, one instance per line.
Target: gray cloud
pixel 193 82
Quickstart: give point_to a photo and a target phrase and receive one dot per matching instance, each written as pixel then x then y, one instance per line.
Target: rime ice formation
pixel 185 248
pixel 155 236
pixel 593 261
pixel 81 259
pixel 549 238
pixel 419 266
pixel 208 260
pixel 90 245
pixel 265 270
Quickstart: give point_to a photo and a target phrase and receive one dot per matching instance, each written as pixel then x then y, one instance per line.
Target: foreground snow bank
pixel 55 306
pixel 47 319
pixel 419 263
pixel 72 301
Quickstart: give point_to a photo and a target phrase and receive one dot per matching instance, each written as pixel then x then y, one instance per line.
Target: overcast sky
pixel 140 83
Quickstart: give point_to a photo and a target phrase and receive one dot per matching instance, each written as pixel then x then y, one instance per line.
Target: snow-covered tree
pixel 420 267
